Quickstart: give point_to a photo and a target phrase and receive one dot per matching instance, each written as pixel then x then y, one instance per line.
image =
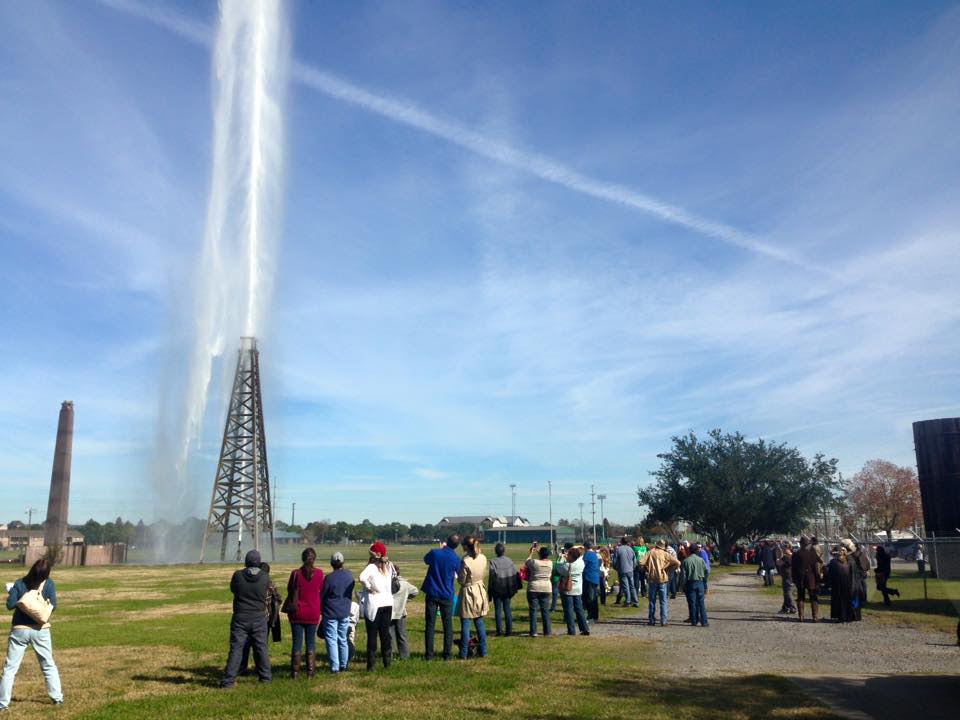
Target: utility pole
pixel 30 512
pixel 603 524
pixel 593 514
pixel 293 513
pixel 513 501
pixel 550 502
pixel 581 521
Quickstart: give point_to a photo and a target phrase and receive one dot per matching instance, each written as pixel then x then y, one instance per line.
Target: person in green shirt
pixel 640 574
pixel 694 571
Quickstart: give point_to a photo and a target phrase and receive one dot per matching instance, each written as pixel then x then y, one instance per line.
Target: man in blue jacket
pixel 591 581
pixel 443 564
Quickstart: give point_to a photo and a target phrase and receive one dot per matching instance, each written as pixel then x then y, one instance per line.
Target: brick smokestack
pixel 59 505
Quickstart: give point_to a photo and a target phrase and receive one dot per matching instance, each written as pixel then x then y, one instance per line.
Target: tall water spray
pixel 250 63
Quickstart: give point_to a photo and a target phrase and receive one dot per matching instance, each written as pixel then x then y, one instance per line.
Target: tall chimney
pixel 59 505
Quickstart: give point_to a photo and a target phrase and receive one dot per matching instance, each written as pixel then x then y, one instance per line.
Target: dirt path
pixel 850 666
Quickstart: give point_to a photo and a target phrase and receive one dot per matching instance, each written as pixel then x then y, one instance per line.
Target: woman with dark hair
pixel 27 631
pixel 377 604
pixel 473 604
pixel 539 587
pixel 303 599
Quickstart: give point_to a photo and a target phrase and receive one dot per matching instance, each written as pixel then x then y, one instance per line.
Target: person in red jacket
pixel 303 592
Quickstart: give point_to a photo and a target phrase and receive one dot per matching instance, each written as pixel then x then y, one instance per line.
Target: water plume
pixel 234 284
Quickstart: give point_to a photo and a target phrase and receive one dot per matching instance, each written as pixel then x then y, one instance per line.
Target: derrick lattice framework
pixel 241 491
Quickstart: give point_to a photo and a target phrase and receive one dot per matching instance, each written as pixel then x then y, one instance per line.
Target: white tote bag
pixel 34 604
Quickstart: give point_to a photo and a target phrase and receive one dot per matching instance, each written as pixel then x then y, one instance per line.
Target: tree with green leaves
pixel 728 488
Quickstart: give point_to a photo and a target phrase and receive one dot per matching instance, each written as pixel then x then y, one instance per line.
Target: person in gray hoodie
pixel 503 584
pixel 398 621
pixel 249 587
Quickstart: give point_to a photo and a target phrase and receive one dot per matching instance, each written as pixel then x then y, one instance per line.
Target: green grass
pixel 150 642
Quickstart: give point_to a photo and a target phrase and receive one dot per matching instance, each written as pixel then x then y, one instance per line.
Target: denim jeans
pixel 573 607
pixel 445 606
pixel 787 586
pixel 658 592
pixel 640 582
pixel 590 603
pixel 335 636
pixel 628 588
pixel 554 596
pixel 539 602
pixel 465 626
pixel 42 644
pixel 503 613
pixel 695 602
pixel 674 582
pixel 301 631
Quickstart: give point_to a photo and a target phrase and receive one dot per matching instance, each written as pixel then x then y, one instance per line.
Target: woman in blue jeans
pixel 539 587
pixel 27 631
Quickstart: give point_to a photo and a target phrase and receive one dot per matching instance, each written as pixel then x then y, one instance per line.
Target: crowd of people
pixel 579 579
pixel 457 584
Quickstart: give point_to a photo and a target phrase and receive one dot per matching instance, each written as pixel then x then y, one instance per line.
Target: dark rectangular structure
pixel 58 507
pixel 937 444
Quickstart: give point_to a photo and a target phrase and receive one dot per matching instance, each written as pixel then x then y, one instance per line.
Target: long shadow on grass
pixel 199 675
pixel 750 697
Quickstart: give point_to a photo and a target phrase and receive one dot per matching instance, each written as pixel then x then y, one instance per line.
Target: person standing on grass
pixel 604 572
pixel 28 632
pixel 883 575
pixel 304 588
pixel 920 558
pixel 539 587
pixel 398 620
pixel 591 582
pixel 860 568
pixel 784 568
pixel 503 584
pixel 694 571
pixel 625 562
pixel 272 615
pixel 658 564
pixel 377 604
pixel 570 568
pixel 473 604
pixel 443 564
pixel 249 587
pixel 335 600
pixel 806 570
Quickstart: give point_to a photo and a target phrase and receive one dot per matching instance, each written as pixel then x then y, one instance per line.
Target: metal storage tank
pixel 937 444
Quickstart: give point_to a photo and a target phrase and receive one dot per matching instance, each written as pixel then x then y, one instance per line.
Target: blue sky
pixel 522 242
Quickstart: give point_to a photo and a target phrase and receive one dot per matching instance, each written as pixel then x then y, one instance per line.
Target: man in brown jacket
pixel 806 568
pixel 659 564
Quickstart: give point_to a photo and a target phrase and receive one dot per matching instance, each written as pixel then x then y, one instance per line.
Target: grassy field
pixel 150 642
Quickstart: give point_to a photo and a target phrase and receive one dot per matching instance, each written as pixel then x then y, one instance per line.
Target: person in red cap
pixel 377 604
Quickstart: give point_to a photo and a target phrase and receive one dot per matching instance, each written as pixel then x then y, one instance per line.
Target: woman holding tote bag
pixel 32 598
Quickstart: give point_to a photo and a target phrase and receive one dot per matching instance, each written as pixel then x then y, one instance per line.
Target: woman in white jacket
pixel 377 604
pixel 570 569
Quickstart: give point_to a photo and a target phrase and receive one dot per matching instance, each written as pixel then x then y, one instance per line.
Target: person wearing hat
pixel 249 588
pixel 335 602
pixel 658 564
pixel 377 604
pixel 694 571
pixel 805 570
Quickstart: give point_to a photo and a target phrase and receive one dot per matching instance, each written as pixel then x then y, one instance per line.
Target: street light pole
pixel 581 521
pixel 603 524
pixel 550 505
pixel 593 514
pixel 293 514
pixel 513 501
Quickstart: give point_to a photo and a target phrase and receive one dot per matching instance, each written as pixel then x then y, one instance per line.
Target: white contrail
pixel 532 163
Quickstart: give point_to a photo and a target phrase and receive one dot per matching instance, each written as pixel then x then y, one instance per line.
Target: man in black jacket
pixel 249 588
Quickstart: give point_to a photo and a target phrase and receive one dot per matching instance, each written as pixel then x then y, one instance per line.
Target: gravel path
pixel 746 635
